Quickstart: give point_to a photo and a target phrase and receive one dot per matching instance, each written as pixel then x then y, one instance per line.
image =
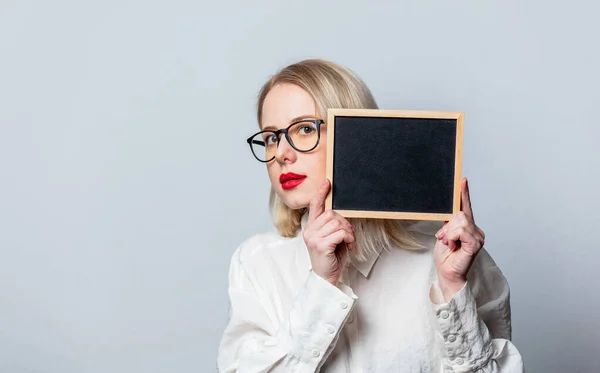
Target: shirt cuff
pixel 319 313
pixel 467 341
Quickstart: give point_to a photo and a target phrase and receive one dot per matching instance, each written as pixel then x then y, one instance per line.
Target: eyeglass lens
pixel 303 136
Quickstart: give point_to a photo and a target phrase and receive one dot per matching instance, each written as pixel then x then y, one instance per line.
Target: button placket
pixel 352 325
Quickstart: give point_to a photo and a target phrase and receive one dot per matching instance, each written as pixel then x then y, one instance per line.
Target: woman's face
pixel 283 105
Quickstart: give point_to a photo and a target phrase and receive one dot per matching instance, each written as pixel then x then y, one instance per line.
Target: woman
pixel 329 294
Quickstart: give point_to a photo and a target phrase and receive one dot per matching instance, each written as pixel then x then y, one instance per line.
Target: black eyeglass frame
pixel 316 122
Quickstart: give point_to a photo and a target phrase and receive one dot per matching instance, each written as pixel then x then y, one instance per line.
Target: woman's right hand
pixel 328 236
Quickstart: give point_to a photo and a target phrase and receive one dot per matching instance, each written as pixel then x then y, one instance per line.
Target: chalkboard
pixel 394 164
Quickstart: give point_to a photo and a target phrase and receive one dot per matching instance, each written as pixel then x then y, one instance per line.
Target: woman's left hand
pixel 458 243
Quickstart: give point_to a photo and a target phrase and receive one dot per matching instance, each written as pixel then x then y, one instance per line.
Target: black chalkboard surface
pixel 394 164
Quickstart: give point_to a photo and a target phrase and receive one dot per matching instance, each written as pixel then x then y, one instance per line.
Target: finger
pixel 317 204
pixel 465 198
pixel 332 226
pixel 338 237
pixel 350 246
pixel 481 233
pixel 452 237
pixel 459 219
pixel 456 221
pixel 462 234
pixel 328 216
pixel 342 250
pixel 349 242
pixel 442 232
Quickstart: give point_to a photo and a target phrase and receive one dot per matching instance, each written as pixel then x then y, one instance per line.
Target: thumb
pixel 317 204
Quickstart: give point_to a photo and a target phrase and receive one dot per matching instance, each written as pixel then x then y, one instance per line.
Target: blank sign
pixel 394 164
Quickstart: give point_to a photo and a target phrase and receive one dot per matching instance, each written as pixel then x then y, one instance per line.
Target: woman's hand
pixel 458 243
pixel 328 236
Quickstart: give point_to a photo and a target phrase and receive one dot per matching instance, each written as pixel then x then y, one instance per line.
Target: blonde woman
pixel 329 294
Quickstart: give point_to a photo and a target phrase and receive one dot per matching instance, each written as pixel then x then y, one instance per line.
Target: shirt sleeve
pixel 475 324
pixel 252 343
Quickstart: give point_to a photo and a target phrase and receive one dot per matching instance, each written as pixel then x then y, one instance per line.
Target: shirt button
pixel 459 361
pixel 344 305
pixel 350 319
pixel 330 330
pixel 451 338
pixel 444 314
pixel 316 353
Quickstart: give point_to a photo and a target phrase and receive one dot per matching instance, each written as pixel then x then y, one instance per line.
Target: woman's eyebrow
pixel 301 117
pixel 296 119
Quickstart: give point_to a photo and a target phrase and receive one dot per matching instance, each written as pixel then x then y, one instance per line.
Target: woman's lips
pixel 291 180
pixel 292 183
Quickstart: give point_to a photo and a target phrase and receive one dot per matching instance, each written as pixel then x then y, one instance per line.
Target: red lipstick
pixel 291 180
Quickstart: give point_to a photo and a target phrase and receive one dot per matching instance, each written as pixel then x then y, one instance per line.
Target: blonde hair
pixel 333 86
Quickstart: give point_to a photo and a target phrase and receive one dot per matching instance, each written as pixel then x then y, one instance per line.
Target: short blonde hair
pixel 332 86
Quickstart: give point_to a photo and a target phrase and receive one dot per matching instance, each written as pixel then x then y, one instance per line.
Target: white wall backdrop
pixel 126 183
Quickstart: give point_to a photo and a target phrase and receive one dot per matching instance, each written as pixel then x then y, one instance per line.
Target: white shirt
pixel 386 315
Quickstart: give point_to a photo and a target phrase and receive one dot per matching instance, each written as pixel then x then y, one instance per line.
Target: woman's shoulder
pixel 266 248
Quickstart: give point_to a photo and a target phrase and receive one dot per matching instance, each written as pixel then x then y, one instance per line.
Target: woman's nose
pixel 285 151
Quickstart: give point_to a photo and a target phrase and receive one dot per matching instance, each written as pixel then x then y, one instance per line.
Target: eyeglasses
pixel 303 135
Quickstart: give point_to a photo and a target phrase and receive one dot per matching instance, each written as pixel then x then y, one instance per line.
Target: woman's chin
pixel 295 204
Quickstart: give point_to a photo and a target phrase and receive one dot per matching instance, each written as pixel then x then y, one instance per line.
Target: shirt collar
pixel 426 227
pixel 364 267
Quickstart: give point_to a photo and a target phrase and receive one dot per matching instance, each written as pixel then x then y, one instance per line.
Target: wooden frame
pixel 458 116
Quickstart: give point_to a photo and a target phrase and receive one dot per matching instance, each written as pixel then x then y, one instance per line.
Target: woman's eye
pixel 271 139
pixel 306 130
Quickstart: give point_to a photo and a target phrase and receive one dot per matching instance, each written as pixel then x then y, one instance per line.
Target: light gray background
pixel 126 183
